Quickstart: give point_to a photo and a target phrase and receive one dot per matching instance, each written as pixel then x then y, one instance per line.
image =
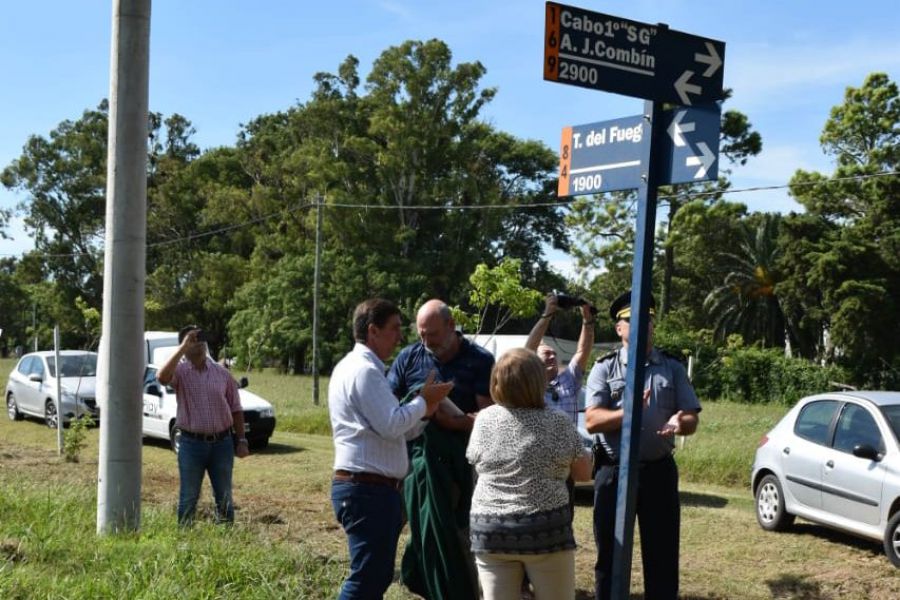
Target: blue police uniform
pixel 657 506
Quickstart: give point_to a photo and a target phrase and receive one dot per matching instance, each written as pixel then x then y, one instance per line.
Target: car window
pixel 75 365
pixel 856 427
pixel 37 367
pixel 25 366
pixel 814 421
pixel 892 414
pixel 149 376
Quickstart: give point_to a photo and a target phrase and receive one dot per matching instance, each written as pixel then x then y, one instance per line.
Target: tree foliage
pixel 842 258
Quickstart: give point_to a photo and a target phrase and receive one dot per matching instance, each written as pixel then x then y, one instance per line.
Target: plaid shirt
pixel 206 397
pixel 562 392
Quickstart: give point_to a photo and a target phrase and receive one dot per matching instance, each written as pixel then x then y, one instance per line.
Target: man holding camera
pixel 209 408
pixel 563 384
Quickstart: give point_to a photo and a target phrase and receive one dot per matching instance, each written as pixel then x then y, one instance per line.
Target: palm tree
pixel 746 302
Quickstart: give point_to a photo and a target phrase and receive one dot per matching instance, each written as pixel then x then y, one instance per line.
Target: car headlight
pixel 69 397
pixel 267 413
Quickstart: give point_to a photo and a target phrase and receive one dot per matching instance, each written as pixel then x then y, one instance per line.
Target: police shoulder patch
pixel 608 356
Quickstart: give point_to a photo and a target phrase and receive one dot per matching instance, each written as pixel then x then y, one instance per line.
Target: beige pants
pixel 552 575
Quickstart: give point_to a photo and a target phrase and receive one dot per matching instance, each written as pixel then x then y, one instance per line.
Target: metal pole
pixel 34 324
pixel 315 317
pixel 629 451
pixel 121 365
pixel 59 408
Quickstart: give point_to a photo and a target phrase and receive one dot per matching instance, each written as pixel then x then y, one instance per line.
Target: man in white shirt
pixel 370 429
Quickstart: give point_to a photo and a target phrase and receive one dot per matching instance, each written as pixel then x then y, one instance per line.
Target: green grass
pixel 292 397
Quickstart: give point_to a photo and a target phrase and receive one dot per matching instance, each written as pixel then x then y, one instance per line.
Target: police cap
pixel 621 306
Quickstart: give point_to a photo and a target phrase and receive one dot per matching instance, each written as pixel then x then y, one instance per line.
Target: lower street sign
pixel 606 156
pixel 602 157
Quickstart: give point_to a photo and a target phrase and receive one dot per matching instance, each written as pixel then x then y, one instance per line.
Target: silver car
pixel 834 459
pixel 31 389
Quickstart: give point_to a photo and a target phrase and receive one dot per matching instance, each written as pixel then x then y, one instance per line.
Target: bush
pixel 74 440
pixel 758 375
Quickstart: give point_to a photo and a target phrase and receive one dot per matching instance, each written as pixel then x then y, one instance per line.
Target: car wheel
pixel 12 409
pixel 892 540
pixel 259 444
pixel 50 416
pixel 175 438
pixel 770 511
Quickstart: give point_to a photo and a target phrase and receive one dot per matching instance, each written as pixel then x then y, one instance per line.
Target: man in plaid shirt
pixel 209 409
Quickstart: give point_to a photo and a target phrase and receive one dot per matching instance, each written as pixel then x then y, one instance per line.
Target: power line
pixel 560 203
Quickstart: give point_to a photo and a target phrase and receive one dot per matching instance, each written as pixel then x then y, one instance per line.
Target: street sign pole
pixel 629 451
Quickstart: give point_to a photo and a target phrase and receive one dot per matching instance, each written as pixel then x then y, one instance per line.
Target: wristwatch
pixel 242 441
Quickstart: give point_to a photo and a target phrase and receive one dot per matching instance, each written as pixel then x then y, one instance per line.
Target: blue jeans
pixel 371 517
pixel 196 457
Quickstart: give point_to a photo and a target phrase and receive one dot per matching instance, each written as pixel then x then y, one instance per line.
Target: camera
pixel 565 302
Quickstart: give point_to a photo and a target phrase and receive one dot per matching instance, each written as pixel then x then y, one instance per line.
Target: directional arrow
pixel 704 162
pixel 677 128
pixel 682 87
pixel 712 59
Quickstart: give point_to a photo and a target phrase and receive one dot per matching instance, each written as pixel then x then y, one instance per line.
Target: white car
pixel 31 389
pixel 834 459
pixel 160 406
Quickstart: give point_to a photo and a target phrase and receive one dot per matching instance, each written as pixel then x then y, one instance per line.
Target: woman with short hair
pixel 523 452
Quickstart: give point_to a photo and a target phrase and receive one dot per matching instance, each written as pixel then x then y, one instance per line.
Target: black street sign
pixel 621 56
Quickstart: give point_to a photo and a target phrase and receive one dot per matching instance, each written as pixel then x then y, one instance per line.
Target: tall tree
pixel 416 185
pixel 842 258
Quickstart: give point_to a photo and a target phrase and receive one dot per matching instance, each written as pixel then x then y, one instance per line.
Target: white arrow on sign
pixel 683 87
pixel 712 59
pixel 704 162
pixel 677 128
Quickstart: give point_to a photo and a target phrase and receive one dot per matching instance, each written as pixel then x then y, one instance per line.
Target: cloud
pixel 763 73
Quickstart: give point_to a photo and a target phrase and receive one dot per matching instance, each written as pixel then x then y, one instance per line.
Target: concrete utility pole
pixel 315 315
pixel 120 373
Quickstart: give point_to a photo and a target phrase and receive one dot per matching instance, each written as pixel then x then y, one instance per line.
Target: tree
pixel 842 258
pixel 746 302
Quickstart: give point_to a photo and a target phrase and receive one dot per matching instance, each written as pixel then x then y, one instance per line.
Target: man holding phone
pixel 209 416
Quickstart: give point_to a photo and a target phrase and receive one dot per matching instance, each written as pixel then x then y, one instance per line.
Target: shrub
pixel 74 440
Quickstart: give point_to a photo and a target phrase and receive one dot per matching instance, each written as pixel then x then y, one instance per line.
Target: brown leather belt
pixel 372 478
pixel 207 437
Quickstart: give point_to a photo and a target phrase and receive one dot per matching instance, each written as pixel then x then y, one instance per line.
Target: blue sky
pixel 221 63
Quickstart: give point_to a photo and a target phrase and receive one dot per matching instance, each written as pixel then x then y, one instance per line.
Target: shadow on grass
pixel 274 448
pixel 584 496
pixel 589 595
pixel 837 537
pixel 796 588
pixel 702 500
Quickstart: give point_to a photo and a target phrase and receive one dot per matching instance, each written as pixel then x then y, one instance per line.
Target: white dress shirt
pixel 369 426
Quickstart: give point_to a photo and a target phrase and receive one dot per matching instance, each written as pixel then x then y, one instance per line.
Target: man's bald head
pixel 437 330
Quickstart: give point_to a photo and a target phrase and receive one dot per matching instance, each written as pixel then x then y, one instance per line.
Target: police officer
pixel 670 407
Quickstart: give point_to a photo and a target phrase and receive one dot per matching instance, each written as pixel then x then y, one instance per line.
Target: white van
pixel 160 403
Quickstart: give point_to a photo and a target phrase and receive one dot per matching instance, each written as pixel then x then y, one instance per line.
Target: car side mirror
pixel 35 377
pixel 154 390
pixel 244 382
pixel 866 451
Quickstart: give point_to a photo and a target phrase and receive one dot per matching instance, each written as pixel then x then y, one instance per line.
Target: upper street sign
pixel 617 55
